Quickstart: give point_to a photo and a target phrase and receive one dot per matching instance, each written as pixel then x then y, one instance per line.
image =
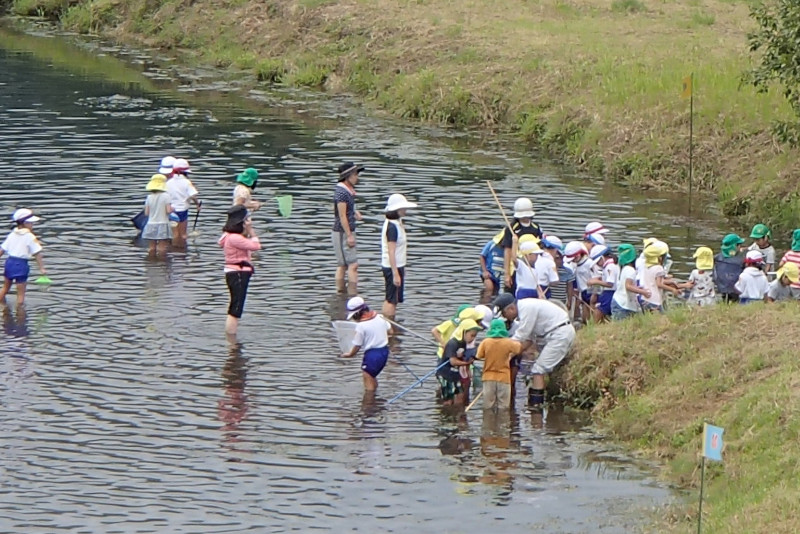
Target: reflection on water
pixel 125 408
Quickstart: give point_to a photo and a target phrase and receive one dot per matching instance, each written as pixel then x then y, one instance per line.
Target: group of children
pixel 167 204
pixel 597 283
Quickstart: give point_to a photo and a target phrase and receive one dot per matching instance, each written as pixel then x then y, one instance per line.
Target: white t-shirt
pixel 610 274
pixel 546 270
pixel 157 204
pixel 371 334
pixel 651 275
pixel 526 276
pixel 21 243
pixel 623 298
pixel 538 317
pixel 768 253
pixel 180 190
pixel 241 195
pixel 583 273
pixel 752 284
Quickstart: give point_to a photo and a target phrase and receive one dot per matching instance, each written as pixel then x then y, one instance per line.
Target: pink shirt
pixel 238 248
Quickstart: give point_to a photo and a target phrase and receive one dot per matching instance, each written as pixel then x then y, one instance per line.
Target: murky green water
pixel 125 410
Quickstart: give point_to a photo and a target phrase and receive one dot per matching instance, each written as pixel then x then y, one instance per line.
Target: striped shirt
pixel 794 257
pixel 558 290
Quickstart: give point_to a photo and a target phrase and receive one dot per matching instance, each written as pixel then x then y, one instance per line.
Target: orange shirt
pixel 497 351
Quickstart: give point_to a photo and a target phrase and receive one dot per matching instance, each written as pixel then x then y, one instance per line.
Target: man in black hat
pixel 538 318
pixel 344 225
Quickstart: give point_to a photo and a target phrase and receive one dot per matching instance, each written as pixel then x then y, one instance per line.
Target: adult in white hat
pixel 393 252
pixel 521 225
pixel 181 192
pixel 21 246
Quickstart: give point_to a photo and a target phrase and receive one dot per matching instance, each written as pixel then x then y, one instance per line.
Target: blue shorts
pixel 374 361
pixel 525 293
pixel 179 216
pixel 586 296
pixel 604 301
pixel 16 270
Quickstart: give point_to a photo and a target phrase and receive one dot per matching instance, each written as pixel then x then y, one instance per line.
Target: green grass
pixel 654 380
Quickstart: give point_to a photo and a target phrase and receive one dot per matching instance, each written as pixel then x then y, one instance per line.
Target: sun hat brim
pixel 524 214
pixel 165 170
pixel 400 206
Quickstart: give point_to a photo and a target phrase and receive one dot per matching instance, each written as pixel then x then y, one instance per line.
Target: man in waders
pixel 544 319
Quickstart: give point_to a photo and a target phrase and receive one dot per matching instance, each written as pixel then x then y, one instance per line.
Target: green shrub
pixel 270 70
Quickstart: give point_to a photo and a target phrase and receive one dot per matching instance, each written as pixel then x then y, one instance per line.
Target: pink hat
pixel 181 166
pixel 754 257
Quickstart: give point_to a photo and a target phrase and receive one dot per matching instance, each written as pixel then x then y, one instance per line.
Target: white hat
pixel 398 202
pixel 24 215
pixel 754 256
pixel 598 251
pixel 523 207
pixel 488 315
pixel 594 228
pixel 574 248
pixel 167 162
pixel 181 164
pixel 355 305
pixel 551 241
pixel 596 238
pixel 530 247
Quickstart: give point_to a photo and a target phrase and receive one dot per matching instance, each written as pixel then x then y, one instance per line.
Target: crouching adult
pixel 544 319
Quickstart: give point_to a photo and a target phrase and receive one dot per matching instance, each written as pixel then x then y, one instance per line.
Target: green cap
pixel 248 177
pixel 497 328
pixel 796 240
pixel 626 253
pixel 729 244
pixel 759 231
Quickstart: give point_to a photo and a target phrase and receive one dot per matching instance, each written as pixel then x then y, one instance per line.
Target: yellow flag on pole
pixel 687 87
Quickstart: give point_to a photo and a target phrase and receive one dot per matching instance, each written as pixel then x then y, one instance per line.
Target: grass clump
pixel 627 6
pixel 654 380
pixel 270 70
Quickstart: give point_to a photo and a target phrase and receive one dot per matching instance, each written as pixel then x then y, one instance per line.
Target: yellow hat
pixel 789 270
pixel 158 182
pixel 529 247
pixel 470 313
pixel 705 258
pixel 528 237
pixel 653 251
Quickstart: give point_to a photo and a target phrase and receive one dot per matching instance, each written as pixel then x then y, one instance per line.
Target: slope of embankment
pixel 593 82
pixel 654 380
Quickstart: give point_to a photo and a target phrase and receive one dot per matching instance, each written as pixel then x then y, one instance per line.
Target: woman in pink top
pixel 238 241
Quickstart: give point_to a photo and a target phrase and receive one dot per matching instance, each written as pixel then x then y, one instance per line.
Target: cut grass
pixel 594 82
pixel 654 380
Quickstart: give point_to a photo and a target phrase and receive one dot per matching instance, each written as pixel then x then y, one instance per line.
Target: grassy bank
pixel 654 380
pixel 595 82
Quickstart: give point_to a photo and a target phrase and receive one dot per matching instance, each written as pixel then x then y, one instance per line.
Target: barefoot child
pixel 21 246
pixel 455 362
pixel 157 208
pixel 372 335
pixel 497 350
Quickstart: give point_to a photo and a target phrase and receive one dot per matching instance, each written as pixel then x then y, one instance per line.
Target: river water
pixel 125 409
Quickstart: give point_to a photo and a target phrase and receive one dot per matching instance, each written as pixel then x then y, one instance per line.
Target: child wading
pixel 157 208
pixel 497 351
pixel 458 355
pixel 372 335
pixel 21 246
pixel 491 260
pixel 181 192
pixel 238 241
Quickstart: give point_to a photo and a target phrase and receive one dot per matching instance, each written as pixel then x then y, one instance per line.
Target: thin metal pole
pixel 702 483
pixel 409 388
pixel 691 139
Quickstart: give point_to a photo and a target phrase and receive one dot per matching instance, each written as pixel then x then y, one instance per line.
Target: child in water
pixel 21 246
pixel 458 355
pixel 157 208
pixel 492 264
pixel 372 335
pixel 497 350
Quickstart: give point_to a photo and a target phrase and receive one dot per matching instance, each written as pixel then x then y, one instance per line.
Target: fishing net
pixel 345 332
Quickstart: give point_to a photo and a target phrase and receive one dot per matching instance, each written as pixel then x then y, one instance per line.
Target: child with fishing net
pixel 372 335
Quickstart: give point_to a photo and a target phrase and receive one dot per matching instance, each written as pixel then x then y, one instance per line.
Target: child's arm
pixel 599 282
pixel 39 263
pixel 661 283
pixel 481 355
pixel 437 335
pixel 631 287
pixel 352 352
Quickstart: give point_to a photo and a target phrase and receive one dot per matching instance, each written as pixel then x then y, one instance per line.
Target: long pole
pixel 471 404
pixel 702 483
pixel 691 139
pixel 401 327
pixel 412 386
